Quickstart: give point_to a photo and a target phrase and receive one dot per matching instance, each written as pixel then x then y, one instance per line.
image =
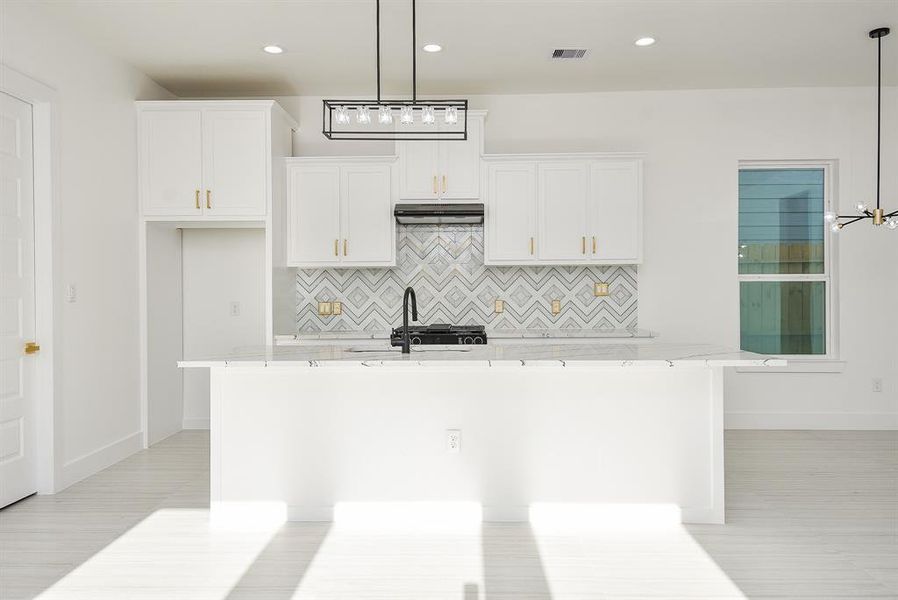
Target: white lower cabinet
pixel 563 209
pixel 341 212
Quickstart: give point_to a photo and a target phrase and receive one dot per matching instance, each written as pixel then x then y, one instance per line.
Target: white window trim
pixel 807 363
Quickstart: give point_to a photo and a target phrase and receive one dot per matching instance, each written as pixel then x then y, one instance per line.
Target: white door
pixel 18 476
pixel 459 175
pixel 563 211
pixel 314 207
pixel 511 212
pixel 235 169
pixel 366 215
pixel 615 207
pixel 418 170
pixel 172 162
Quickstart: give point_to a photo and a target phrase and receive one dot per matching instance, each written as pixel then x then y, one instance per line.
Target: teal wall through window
pixel 783 317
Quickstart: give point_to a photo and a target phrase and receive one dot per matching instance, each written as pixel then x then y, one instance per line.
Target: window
pixel 784 259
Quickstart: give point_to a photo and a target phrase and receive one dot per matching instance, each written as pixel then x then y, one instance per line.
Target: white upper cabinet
pixel 341 212
pixel 563 196
pixel 511 211
pixel 171 162
pixel 442 170
pixel 563 209
pixel 208 160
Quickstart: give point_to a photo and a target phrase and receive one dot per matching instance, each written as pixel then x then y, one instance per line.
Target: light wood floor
pixel 810 515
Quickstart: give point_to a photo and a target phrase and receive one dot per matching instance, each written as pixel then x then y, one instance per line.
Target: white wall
pixel 219 267
pixel 96 346
pixel 687 286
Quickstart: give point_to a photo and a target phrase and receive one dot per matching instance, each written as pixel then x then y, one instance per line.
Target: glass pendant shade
pixel 892 223
pixel 362 115
pixel 385 115
pixel 829 216
pixel 427 116
pixel 407 115
pixel 861 207
pixel 451 115
pixel 341 115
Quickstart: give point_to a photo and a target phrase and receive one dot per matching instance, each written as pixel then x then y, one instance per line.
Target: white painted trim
pixel 48 309
pixel 93 462
pixel 339 160
pixel 823 421
pixel 800 365
pixel 541 157
pixel 195 423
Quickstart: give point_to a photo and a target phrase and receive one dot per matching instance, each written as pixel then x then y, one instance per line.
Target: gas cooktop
pixel 442 334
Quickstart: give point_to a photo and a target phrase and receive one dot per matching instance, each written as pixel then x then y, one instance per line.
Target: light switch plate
pixel 500 306
pixel 338 308
pixel 556 307
pixel 600 288
pixel 325 309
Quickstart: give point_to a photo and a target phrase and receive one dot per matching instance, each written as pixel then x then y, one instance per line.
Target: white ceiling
pixel 212 47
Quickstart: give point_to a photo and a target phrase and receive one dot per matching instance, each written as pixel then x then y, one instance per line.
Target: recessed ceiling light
pixel 645 41
pixel 432 48
pixel 272 49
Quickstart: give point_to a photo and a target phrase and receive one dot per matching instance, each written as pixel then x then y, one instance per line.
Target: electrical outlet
pixel 556 307
pixel 71 293
pixel 325 308
pixel 338 308
pixel 600 288
pixel 877 384
pixel 235 309
pixel 453 441
pixel 500 306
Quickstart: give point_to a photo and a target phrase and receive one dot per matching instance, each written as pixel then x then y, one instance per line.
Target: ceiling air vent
pixel 569 53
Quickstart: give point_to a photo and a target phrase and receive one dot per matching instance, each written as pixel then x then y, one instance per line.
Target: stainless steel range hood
pixel 439 214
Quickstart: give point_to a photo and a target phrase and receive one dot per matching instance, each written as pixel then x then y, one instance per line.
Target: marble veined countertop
pixel 492 334
pixel 590 353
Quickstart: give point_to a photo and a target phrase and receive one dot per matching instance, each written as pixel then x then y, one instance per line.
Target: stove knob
pixel 478 340
pixel 469 340
pixel 416 341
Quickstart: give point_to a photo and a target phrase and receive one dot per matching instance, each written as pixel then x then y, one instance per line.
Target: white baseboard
pixel 840 420
pixel 195 424
pixel 93 462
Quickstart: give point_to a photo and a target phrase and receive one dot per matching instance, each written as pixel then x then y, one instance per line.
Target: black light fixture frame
pixel 878 214
pixel 459 133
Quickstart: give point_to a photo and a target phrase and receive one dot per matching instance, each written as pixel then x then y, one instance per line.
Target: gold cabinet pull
pixel 345 247
pixel 336 247
pixel 583 245
pixel 531 245
pixel 197 199
pixel 208 198
pixel 445 183
pixel 32 348
pixel 593 244
pixel 434 185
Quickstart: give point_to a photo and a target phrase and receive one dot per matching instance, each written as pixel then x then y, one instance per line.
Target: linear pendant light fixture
pixel 878 214
pixel 380 119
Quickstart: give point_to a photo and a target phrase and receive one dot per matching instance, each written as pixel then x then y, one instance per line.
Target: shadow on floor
pixel 512 566
pixel 279 569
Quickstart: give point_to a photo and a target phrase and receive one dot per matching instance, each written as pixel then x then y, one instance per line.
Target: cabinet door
pixel 235 162
pixel 460 164
pixel 616 211
pixel 511 212
pixel 367 222
pixel 563 211
pixel 418 170
pixel 314 207
pixel 171 163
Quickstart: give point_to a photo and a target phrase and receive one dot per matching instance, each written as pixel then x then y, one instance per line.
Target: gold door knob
pixel 32 348
pixel 196 199
pixel 208 198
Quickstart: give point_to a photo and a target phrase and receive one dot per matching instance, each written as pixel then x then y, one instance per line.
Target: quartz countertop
pixel 493 334
pixel 589 354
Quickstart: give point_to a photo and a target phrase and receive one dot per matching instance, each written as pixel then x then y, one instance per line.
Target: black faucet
pixel 406 341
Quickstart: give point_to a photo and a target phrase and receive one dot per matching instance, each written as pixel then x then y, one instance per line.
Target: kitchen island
pixel 304 430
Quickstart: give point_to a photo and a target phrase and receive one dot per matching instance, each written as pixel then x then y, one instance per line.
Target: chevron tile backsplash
pixel 445 266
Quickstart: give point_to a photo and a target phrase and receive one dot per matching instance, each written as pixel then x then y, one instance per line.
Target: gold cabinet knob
pixel 32 348
pixel 337 247
pixel 583 245
pixel 531 245
pixel 196 199
pixel 208 198
pixel 434 185
pixel 593 244
pixel 445 183
pixel 345 247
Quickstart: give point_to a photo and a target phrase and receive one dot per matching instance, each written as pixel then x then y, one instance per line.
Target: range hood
pixel 439 214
